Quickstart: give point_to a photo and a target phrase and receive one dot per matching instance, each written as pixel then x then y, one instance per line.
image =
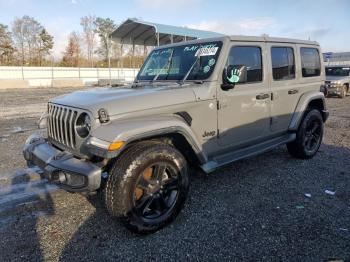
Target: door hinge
pixel 217 105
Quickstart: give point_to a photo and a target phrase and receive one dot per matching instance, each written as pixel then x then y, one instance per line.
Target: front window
pixel 249 56
pixel 192 61
pixel 337 71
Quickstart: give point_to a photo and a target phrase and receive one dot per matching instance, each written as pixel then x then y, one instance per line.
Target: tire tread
pixel 296 148
pixel 121 176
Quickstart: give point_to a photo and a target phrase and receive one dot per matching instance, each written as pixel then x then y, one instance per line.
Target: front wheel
pixel 309 136
pixel 147 186
pixel 344 91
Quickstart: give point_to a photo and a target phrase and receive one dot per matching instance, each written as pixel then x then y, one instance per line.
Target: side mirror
pixel 233 74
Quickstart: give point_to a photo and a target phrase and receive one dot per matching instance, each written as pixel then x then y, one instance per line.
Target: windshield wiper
pixel 165 66
pixel 191 68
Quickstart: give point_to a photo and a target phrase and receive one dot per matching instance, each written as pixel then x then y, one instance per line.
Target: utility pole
pixel 109 60
pixel 52 60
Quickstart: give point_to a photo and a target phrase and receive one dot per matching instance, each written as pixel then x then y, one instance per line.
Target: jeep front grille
pixel 61 124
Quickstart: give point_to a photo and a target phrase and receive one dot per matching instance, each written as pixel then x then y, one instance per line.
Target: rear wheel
pixel 309 136
pixel 147 186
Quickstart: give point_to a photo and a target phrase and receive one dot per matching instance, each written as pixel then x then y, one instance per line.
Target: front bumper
pixel 61 167
pixel 334 89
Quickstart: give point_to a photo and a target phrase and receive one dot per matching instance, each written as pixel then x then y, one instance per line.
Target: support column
pixel 109 61
pixel 121 56
pixel 133 53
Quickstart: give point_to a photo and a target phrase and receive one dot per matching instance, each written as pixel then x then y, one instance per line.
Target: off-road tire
pixel 343 91
pixel 298 148
pixel 123 177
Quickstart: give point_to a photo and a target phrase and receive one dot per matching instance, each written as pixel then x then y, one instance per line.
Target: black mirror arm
pixel 226 86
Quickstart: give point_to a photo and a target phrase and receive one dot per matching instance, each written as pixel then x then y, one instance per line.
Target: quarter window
pixel 283 63
pixel 310 62
pixel 249 56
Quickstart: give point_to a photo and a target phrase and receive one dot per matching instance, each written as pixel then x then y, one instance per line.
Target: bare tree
pixel 19 31
pixel 30 36
pixel 89 30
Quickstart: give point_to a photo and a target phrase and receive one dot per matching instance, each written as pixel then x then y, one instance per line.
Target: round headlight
pixel 83 125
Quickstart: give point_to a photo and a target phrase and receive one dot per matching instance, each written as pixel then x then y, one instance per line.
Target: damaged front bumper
pixel 61 167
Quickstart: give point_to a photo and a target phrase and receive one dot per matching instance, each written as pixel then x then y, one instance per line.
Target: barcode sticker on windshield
pixel 206 51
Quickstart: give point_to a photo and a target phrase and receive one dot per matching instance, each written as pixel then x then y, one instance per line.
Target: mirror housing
pixel 232 75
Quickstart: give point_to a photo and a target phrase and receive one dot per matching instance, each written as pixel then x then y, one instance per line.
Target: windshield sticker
pixel 206 51
pixel 194 48
pixel 191 48
pixel 161 52
pixel 211 62
pixel 206 69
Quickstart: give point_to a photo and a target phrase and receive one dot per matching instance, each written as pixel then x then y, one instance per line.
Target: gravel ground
pixel 255 209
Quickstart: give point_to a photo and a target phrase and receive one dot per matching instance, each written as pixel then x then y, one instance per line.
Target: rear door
pixel 290 80
pixel 285 84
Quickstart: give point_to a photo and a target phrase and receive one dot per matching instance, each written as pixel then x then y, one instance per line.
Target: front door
pixel 244 111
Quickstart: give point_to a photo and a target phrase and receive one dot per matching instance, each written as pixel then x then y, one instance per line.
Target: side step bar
pixel 246 152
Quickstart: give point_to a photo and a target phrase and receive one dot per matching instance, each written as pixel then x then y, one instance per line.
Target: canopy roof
pixel 138 32
pixel 340 56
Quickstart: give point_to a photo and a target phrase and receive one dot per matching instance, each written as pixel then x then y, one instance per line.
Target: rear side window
pixel 249 56
pixel 283 63
pixel 310 62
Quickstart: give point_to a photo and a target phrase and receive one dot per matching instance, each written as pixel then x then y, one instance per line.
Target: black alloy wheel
pixel 312 135
pixel 308 136
pixel 156 190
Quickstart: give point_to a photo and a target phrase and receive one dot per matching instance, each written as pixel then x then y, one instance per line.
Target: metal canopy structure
pixel 334 59
pixel 137 32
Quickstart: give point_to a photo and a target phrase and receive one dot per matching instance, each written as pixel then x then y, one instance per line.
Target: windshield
pixel 174 63
pixel 337 71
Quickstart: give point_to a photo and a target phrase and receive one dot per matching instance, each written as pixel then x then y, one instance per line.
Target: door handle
pixel 262 96
pixel 292 91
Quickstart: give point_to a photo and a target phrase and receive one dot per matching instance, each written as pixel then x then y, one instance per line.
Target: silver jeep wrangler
pixel 203 103
pixel 337 80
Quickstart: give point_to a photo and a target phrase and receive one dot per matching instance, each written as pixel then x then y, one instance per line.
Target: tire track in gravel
pixel 21 187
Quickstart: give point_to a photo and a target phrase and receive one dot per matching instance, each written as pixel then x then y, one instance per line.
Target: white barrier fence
pixel 337 63
pixel 45 76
